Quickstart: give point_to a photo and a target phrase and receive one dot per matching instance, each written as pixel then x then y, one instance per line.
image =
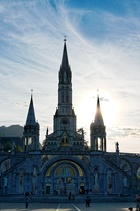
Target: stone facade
pixel 65 163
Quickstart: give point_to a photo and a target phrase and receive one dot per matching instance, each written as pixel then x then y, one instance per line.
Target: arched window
pixel 125 166
pixel 5 165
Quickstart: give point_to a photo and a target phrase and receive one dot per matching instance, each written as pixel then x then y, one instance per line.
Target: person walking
pixel 88 200
pixel 137 202
pixel 26 202
pixel 69 197
pixel 138 206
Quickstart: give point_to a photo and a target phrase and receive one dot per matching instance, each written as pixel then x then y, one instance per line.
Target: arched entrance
pixel 65 176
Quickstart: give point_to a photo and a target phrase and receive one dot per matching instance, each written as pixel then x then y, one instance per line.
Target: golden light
pixel 85 110
pixel 110 110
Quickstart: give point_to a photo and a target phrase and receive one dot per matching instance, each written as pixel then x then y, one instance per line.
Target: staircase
pixel 113 165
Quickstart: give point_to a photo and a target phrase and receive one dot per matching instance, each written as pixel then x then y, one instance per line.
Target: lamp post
pixel 0 182
pixel 138 177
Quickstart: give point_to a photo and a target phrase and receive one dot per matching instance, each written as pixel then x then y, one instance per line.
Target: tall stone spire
pixel 31 114
pixel 65 71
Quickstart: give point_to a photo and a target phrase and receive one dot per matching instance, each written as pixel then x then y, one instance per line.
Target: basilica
pixel 65 163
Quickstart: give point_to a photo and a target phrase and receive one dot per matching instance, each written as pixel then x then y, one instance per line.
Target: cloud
pixel 103 48
pixel 103 99
pixel 120 132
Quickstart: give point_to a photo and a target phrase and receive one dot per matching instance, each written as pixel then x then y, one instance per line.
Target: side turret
pixel 31 130
pixel 98 131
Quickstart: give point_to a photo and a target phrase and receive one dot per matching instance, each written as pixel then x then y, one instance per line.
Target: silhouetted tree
pixel 7 146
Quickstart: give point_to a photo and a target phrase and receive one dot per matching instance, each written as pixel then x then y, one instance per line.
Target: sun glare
pixel 87 109
pixel 109 111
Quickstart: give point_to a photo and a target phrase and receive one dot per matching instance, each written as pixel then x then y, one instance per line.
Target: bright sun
pixel 87 109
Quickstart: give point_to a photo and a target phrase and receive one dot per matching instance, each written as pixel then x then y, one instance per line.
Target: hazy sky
pixel 103 42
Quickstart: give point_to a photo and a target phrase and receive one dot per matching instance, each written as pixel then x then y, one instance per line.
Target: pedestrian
pixel 88 200
pixel 137 202
pixel 69 196
pixel 26 202
pixel 138 206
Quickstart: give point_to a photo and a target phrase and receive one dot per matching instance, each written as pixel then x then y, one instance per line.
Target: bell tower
pixel 98 131
pixel 64 118
pixel 64 134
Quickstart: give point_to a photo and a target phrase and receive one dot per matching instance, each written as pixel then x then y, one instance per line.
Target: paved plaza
pixel 67 206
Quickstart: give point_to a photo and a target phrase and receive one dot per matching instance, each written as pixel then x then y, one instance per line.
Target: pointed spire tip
pixel 65 39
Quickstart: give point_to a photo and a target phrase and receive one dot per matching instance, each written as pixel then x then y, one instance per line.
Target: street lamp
pixel 138 177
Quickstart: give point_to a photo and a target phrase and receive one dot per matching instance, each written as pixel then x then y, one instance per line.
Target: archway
pixel 65 176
